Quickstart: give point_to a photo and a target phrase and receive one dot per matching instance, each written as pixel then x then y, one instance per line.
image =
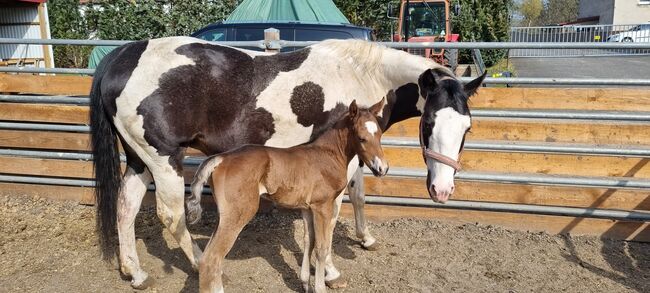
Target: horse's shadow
pixel 265 236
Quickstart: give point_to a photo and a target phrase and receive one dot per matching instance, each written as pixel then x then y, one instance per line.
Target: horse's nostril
pixel 453 188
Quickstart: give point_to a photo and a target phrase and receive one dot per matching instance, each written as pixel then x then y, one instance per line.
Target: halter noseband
pixel 428 153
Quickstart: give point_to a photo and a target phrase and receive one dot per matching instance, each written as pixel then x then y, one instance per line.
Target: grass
pixel 501 66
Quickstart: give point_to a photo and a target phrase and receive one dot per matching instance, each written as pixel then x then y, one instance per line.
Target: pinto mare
pixel 164 95
pixel 308 177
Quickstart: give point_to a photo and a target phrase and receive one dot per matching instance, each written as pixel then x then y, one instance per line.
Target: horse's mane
pixel 364 56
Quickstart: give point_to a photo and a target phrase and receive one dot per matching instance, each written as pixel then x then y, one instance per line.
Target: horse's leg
pixel 355 189
pixel 333 277
pixel 322 221
pixel 308 240
pixel 128 203
pixel 170 198
pixel 232 219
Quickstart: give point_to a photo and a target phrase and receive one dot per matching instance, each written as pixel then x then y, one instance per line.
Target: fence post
pixel 271 38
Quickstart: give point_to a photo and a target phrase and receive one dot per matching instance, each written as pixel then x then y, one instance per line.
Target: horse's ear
pixel 353 109
pixel 376 108
pixel 427 79
pixel 471 87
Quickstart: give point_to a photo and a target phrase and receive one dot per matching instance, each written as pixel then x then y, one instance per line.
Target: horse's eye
pixel 362 140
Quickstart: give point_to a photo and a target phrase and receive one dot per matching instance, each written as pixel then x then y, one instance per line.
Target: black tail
pixel 106 162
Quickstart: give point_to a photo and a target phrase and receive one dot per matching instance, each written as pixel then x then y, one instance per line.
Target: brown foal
pixel 309 177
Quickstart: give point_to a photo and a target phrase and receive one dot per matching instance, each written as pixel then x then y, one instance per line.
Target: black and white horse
pixel 164 95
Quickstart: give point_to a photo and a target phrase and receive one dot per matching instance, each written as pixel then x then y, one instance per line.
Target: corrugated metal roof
pixel 20 17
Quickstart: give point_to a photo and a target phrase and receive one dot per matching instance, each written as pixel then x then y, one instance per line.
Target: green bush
pixel 485 21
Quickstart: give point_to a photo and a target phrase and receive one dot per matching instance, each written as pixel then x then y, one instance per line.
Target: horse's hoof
pixel 372 247
pixel 148 282
pixel 337 283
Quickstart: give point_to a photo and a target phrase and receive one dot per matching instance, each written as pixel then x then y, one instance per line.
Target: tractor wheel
pixel 451 59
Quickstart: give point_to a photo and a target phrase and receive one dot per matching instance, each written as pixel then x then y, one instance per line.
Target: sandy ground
pixel 49 246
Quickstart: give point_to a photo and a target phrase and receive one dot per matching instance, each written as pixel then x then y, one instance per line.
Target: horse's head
pixel 445 122
pixel 365 136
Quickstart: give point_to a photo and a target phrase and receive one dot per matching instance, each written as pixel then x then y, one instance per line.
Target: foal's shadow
pixel 265 236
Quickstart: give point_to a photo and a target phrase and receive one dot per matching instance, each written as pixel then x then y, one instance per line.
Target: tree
pixel 483 20
pixel 369 13
pixel 559 11
pixel 67 22
pixel 531 10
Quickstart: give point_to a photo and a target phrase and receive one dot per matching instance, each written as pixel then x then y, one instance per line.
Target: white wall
pixel 631 12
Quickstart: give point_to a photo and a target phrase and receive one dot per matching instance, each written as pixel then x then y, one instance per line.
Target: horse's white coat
pixel 446 137
pixel 371 127
pixel 367 74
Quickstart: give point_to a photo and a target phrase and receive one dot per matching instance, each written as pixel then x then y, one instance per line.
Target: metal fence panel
pixel 580 33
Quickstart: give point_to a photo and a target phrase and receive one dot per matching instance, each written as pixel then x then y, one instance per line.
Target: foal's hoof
pixel 337 283
pixel 148 282
pixel 372 247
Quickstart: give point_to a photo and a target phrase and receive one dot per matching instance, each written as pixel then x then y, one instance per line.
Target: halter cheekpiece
pixel 428 153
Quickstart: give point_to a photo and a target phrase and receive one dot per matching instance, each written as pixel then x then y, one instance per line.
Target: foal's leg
pixel 355 189
pixel 170 197
pixel 322 220
pixel 333 277
pixel 128 203
pixel 232 219
pixel 308 240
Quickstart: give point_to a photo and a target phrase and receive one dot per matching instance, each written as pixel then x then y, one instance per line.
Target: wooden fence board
pixel 530 163
pixel 44 113
pixel 571 131
pixel 633 231
pixel 44 140
pixel 45 84
pixel 609 99
pixel 517 193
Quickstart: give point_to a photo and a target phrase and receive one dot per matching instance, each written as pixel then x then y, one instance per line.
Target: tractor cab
pixel 424 21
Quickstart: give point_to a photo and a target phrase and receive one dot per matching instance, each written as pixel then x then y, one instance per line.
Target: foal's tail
pixel 106 161
pixel 193 204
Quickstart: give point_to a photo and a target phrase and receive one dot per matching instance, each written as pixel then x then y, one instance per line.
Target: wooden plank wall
pixel 532 130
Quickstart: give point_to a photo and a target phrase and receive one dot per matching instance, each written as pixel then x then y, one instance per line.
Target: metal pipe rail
pixel 66 100
pixel 402 45
pixel 488 80
pixel 488 113
pixel 501 146
pixel 542 179
pixel 410 202
pixel 536 147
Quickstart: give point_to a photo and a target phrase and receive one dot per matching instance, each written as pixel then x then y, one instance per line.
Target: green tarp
pixel 97 54
pixel 317 11
pixel 310 11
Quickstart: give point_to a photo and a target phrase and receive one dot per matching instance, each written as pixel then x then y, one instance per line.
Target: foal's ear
pixel 471 87
pixel 353 109
pixel 376 108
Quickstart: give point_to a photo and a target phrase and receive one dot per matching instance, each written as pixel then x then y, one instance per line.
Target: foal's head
pixel 445 122
pixel 365 136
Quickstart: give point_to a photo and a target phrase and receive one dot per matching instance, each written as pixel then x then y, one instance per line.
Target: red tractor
pixel 426 21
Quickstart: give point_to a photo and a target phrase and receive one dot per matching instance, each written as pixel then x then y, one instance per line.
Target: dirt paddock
pixel 50 246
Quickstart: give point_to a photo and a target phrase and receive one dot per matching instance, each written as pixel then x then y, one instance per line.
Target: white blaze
pixel 371 127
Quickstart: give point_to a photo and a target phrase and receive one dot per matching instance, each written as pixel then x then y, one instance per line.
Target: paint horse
pixel 162 96
pixel 308 177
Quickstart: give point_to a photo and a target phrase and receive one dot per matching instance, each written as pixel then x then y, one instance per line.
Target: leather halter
pixel 428 153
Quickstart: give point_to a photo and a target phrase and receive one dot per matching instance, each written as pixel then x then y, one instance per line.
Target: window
pixel 319 35
pixel 213 35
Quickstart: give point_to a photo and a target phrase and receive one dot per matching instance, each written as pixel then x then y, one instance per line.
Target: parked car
pixel 639 33
pixel 289 31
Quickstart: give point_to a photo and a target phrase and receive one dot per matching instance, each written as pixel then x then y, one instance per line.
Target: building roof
pixel 316 11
